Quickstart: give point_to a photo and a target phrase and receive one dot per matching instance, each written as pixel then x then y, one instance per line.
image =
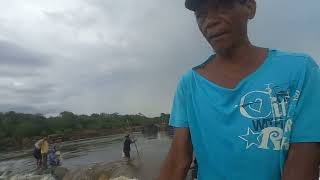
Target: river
pixel 98 158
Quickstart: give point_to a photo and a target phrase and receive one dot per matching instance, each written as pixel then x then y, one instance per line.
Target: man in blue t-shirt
pixel 247 112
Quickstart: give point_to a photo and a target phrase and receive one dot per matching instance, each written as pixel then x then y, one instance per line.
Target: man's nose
pixel 210 22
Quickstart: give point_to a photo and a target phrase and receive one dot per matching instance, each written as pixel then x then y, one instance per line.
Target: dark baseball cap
pixel 194 4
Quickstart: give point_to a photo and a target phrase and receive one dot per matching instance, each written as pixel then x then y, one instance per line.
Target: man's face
pixel 224 22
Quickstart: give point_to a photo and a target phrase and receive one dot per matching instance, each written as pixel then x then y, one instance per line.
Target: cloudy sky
pixel 92 56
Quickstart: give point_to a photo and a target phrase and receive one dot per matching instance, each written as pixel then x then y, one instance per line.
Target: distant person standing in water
pixel 44 151
pixel 54 157
pixel 37 152
pixel 126 146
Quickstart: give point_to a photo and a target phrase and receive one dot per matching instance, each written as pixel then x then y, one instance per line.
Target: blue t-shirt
pixel 244 132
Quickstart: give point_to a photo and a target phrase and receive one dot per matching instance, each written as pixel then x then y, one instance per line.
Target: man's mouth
pixel 217 35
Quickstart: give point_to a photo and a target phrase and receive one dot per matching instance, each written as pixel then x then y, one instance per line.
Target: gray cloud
pixel 71 18
pixel 17 108
pixel 9 71
pixel 12 54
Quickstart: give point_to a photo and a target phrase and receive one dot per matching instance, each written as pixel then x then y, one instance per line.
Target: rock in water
pixel 116 170
pixel 60 172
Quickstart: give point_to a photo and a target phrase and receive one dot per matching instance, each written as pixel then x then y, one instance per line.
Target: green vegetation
pixel 19 126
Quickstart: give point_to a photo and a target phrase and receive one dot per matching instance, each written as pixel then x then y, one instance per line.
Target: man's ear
pixel 251 7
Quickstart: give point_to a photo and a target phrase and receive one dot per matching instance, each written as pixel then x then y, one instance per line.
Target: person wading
pixel 44 147
pixel 37 152
pixel 126 146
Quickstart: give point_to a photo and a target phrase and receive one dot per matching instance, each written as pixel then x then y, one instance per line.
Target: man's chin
pixel 221 47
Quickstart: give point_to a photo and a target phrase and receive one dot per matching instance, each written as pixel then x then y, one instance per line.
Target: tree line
pixel 20 125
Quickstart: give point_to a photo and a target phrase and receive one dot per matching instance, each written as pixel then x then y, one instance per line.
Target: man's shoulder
pixel 291 57
pixel 292 60
pixel 185 78
pixel 187 75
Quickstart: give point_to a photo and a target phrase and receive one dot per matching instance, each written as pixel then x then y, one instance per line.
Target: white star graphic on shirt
pixel 251 138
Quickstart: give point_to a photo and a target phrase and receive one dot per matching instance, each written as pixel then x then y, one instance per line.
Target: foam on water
pixel 122 178
pixel 30 177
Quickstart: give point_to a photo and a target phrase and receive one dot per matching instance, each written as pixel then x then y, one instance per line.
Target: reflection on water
pixel 96 158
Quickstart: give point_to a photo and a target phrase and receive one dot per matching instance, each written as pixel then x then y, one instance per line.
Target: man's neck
pixel 240 54
pixel 229 67
pixel 243 59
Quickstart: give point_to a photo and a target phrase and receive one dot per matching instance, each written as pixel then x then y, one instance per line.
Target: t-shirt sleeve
pixel 306 123
pixel 178 117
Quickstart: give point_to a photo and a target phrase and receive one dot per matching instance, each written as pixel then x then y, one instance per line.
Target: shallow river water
pixel 98 158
